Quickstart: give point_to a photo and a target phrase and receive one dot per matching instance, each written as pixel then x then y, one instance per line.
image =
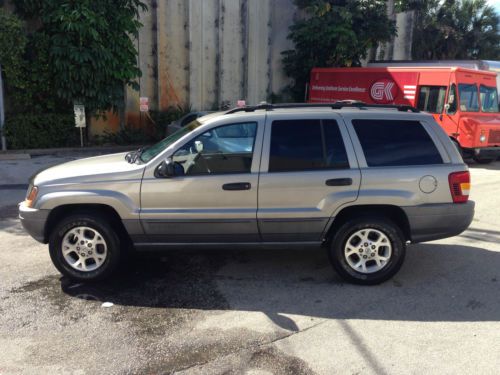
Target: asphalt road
pixel 248 312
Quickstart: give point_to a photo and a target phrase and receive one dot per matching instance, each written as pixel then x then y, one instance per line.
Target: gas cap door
pixel 428 184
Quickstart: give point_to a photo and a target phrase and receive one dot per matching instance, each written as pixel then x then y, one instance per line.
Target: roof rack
pixel 335 105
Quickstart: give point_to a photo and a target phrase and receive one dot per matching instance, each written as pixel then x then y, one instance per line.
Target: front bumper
pixel 34 221
pixel 431 222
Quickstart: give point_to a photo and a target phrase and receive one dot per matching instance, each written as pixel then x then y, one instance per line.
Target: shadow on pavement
pixel 437 283
pixel 494 166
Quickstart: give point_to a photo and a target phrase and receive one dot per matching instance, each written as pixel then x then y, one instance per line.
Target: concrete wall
pixel 206 53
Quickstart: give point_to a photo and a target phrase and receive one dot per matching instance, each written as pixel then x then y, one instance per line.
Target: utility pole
pixel 2 114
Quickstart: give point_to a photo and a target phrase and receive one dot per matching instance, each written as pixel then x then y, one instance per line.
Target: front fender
pixel 123 204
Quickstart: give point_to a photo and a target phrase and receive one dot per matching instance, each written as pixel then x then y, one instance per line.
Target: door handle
pixel 237 186
pixel 339 182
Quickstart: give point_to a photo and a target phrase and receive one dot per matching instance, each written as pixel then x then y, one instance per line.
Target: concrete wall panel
pixel 203 53
pixel 283 14
pixel 173 53
pixel 258 50
pixel 231 52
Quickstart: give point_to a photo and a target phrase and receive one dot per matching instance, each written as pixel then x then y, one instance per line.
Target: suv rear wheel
pixel 84 247
pixel 367 250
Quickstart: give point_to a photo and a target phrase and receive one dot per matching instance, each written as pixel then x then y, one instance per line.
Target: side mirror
pixel 165 169
pixel 447 107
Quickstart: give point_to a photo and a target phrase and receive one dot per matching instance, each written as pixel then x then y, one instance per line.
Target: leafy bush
pixel 161 119
pixel 41 131
pixel 126 136
pixel 12 43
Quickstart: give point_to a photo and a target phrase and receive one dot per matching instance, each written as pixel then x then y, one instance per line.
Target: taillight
pixel 459 186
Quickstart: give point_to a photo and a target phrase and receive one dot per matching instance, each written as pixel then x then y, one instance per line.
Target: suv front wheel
pixel 84 247
pixel 367 250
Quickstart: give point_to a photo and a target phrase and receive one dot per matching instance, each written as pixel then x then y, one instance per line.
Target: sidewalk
pixel 15 173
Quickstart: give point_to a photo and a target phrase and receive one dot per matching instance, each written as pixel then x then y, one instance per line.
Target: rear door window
pixel 396 143
pixel 302 145
pixel 431 98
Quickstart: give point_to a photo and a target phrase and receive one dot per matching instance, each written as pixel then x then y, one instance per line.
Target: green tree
pixel 12 43
pixel 90 51
pixel 334 33
pixel 455 29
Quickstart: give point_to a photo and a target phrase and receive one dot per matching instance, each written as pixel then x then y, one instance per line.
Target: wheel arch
pixel 60 212
pixel 394 213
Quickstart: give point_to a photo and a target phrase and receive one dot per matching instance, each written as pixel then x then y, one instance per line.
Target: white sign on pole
pixel 144 104
pixel 79 116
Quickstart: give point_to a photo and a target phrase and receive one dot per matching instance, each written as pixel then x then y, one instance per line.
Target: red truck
pixel 463 101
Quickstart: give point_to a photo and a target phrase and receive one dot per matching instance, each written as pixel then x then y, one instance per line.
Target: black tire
pixel 106 231
pixel 338 244
pixel 482 160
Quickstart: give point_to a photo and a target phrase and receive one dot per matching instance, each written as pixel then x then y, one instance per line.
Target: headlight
pixel 482 137
pixel 30 198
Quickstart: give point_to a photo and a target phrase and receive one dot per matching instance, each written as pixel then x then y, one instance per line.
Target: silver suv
pixel 361 181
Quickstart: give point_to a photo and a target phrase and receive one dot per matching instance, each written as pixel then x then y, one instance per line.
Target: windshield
pixel 489 99
pixel 468 97
pixel 154 150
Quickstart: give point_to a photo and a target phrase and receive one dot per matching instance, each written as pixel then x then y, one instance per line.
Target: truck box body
pixel 472 117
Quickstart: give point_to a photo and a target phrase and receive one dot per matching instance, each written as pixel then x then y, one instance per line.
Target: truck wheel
pixel 482 160
pixel 84 247
pixel 367 250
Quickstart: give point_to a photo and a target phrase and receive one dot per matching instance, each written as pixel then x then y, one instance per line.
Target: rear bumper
pixel 34 221
pixel 430 222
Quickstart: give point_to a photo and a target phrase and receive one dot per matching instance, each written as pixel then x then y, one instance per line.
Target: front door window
pixel 226 149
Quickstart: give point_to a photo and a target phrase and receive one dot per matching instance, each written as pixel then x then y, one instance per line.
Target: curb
pixel 25 154
pixel 14 156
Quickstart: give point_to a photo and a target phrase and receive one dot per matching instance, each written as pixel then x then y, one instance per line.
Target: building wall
pixel 206 53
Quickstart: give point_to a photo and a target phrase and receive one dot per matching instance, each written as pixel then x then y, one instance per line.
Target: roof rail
pixel 335 105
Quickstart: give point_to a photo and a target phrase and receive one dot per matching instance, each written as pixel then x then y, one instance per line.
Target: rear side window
pixel 301 145
pixel 396 143
pixel 431 98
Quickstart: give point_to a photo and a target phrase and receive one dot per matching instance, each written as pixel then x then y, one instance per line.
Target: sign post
pixel 80 122
pixel 2 114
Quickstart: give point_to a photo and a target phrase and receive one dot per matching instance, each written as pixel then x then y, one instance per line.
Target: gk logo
pixel 383 91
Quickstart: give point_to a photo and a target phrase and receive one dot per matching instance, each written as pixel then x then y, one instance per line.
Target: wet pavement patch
pixel 49 289
pixel 184 280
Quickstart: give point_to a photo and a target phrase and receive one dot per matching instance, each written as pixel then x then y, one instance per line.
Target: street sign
pixel 144 104
pixel 79 116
